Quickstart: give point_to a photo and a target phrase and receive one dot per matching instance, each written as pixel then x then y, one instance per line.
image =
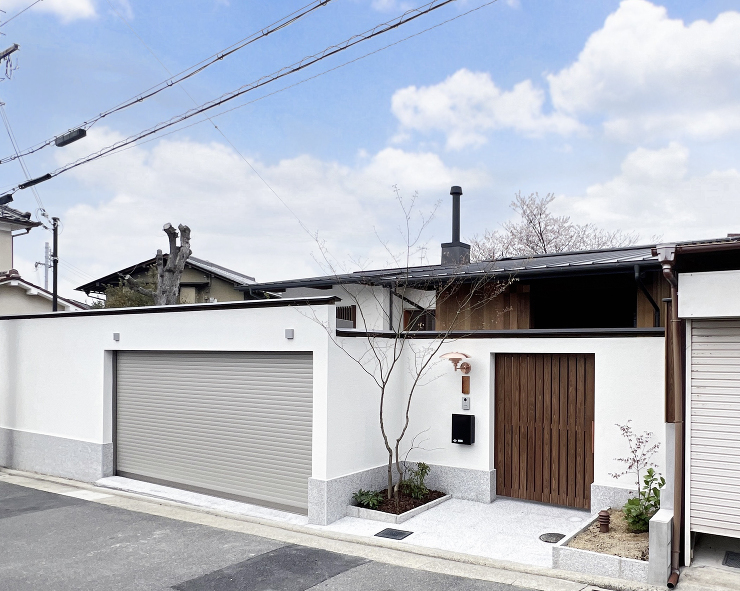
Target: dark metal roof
pixel 589 261
pixel 99 285
pixel 15 217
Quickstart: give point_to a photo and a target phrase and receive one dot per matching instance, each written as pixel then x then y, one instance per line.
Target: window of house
pixel 419 320
pixel 346 316
pixel 599 301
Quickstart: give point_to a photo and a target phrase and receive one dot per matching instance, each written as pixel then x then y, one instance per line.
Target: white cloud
pixel 649 75
pixel 236 221
pixel 643 76
pixel 655 194
pixel 66 10
pixel 468 104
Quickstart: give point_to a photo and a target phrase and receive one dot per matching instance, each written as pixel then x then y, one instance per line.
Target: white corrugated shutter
pixel 715 427
pixel 231 423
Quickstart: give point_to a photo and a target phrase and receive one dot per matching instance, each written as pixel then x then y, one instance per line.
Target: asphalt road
pixel 53 542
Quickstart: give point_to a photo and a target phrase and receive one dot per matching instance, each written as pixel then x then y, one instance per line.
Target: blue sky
pixel 629 112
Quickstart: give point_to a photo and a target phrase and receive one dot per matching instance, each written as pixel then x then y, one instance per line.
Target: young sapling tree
pixel 392 349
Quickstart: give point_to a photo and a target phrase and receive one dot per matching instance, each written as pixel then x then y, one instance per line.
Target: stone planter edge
pixel 362 513
pixel 595 563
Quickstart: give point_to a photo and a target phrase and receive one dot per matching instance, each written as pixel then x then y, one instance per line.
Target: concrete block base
pixel 328 499
pixel 594 563
pixel 55 456
pixel 661 535
pixel 604 497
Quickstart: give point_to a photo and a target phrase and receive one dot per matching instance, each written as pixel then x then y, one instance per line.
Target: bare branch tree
pixel 390 351
pixel 538 231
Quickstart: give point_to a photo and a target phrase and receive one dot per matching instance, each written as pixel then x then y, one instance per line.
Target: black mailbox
pixel 463 429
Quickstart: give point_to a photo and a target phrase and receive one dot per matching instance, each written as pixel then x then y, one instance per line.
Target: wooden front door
pixel 543 446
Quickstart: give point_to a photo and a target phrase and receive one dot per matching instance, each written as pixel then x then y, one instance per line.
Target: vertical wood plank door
pixel 543 439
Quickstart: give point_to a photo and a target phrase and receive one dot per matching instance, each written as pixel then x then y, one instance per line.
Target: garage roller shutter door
pixel 231 423
pixel 715 427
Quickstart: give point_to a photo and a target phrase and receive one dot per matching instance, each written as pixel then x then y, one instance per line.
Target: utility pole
pixel 46 264
pixel 55 263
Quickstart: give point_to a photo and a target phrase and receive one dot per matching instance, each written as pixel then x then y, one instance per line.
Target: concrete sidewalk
pixel 507 529
pixel 384 551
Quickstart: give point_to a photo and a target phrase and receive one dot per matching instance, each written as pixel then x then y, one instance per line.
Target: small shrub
pixel 639 510
pixel 414 486
pixel 368 499
pixel 641 448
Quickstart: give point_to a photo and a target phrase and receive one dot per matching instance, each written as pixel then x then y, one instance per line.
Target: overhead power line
pixel 19 13
pixel 216 127
pixel 181 76
pixel 306 62
pixel 309 79
pixel 11 136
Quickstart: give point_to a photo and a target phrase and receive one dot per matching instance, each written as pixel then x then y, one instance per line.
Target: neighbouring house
pixel 17 295
pixel 202 281
pixel 271 409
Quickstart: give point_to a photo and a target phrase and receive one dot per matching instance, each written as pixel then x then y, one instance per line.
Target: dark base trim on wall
pixel 541 333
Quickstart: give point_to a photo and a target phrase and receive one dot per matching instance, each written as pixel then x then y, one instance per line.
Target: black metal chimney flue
pixel 456 192
pixel 455 252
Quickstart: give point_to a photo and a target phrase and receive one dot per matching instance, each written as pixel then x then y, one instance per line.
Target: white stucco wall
pixel 19 298
pixel 709 295
pixel 55 381
pixel 6 247
pixel 374 302
pixel 629 384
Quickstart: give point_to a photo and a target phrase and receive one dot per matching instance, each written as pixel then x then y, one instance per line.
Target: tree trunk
pixel 170 273
pixel 390 476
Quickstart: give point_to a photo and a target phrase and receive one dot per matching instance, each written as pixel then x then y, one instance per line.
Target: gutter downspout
pixel 644 290
pixel 667 258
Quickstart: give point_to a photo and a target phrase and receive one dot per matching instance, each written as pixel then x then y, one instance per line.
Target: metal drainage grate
pixel 393 534
pixel 551 538
pixel 732 559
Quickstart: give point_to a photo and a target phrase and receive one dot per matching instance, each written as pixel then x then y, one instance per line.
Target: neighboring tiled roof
pixel 13 216
pixel 202 265
pixel 210 267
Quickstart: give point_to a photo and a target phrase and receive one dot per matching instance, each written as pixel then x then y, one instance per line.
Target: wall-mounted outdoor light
pixel 456 359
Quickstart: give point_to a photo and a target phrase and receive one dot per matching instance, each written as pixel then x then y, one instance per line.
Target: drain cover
pixel 732 559
pixel 551 538
pixel 393 534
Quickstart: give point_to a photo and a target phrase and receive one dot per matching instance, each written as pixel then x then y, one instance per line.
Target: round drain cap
pixel 551 538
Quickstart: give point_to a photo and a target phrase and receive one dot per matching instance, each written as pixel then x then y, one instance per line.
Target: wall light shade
pixel 456 358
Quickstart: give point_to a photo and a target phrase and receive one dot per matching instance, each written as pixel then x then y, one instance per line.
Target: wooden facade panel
pixel 546 403
pixel 660 289
pixel 461 310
